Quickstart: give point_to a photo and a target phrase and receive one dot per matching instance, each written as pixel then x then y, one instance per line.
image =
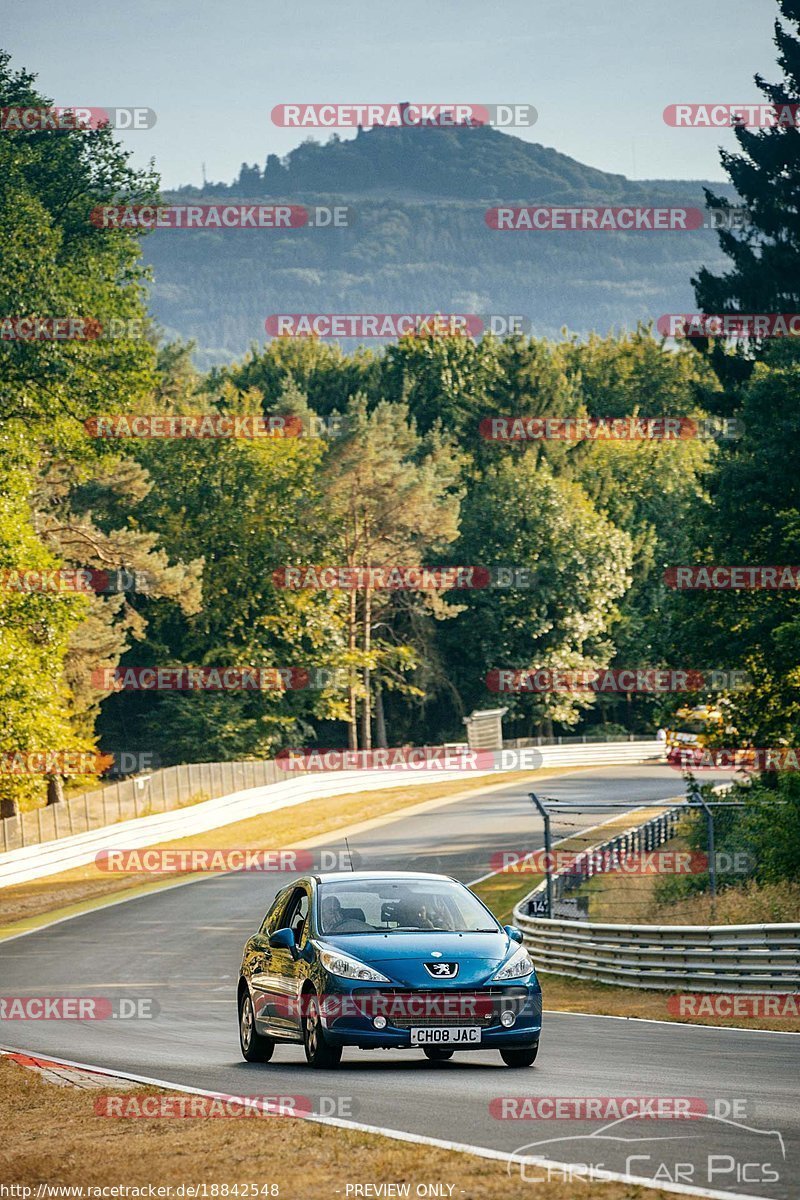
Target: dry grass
pixel 635 899
pixel 580 996
pixel 752 904
pixel 51 1134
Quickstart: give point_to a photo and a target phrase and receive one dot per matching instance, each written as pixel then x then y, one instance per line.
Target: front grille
pixel 429 1009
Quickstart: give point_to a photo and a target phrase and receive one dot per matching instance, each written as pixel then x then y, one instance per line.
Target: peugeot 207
pixel 386 960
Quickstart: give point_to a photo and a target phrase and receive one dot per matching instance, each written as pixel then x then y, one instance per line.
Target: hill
pixel 420 243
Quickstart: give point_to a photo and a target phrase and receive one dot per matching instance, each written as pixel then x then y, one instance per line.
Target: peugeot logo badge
pixel 442 970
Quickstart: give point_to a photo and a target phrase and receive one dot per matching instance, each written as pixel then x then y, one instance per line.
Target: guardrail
pixel 578 739
pixel 38 859
pixel 704 958
pixel 592 754
pixel 175 787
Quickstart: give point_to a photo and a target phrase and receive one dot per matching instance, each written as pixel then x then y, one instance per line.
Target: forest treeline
pixel 396 472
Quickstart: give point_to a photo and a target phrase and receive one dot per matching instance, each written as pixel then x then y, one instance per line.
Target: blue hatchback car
pixel 379 960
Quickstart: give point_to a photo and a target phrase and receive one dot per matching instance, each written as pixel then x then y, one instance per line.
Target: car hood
pixel 402 956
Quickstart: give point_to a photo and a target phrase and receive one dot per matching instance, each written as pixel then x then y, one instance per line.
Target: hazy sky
pixel 599 72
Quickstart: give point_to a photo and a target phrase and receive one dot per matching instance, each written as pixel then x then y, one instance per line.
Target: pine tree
pixel 765 275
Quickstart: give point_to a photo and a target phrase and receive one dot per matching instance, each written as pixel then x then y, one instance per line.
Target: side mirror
pixel 514 933
pixel 283 939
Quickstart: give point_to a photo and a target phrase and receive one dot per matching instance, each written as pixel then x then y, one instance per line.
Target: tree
pixel 36 706
pixel 394 498
pixel 56 263
pixel 443 380
pixel 519 514
pixel 754 518
pixel 322 372
pixel 765 255
pixel 243 509
pixel 653 490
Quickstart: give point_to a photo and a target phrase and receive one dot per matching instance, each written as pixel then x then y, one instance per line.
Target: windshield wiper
pixel 434 929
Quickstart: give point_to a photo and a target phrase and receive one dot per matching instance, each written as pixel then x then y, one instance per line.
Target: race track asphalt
pixel 181 948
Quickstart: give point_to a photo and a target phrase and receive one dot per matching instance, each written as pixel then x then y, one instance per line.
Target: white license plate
pixel 451 1035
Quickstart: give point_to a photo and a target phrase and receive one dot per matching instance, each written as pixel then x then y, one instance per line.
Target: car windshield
pixel 400 906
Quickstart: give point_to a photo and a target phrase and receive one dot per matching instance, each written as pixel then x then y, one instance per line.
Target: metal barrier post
pixel 548 864
pixel 697 798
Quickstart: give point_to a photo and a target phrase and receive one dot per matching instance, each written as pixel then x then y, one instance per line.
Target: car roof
pixel 365 876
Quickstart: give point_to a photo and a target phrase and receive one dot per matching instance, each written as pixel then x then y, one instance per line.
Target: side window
pixel 270 922
pixel 296 914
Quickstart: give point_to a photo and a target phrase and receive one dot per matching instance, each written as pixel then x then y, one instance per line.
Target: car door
pixel 258 962
pixel 286 975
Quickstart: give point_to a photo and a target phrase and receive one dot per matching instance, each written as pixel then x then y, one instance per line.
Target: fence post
pixel 548 863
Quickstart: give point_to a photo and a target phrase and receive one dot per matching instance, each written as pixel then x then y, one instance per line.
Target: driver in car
pixel 424 916
pixel 331 914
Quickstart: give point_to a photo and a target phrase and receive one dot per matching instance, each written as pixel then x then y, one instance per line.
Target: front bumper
pixel 348 1015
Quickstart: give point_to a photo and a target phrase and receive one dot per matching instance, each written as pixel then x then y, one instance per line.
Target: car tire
pixel 318 1052
pixel 436 1053
pixel 255 1047
pixel 520 1057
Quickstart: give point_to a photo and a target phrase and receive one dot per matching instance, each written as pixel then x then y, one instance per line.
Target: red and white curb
pixel 66 1074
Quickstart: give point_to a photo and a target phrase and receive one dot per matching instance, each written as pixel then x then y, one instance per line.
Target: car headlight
pixel 518 965
pixel 349 968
